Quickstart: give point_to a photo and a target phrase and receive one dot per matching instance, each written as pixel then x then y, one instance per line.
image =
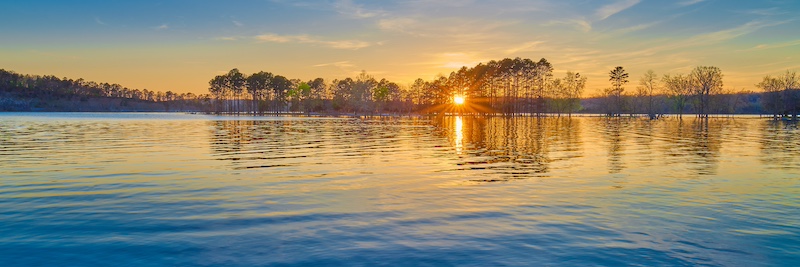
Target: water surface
pixel 131 189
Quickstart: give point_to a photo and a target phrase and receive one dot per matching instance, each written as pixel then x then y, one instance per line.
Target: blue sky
pixel 180 45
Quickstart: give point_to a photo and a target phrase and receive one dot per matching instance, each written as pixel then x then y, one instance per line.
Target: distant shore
pixel 90 104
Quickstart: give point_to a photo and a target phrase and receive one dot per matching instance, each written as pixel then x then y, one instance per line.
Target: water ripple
pixel 177 190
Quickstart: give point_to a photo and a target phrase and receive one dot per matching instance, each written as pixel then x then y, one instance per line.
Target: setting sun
pixel 603 132
pixel 458 100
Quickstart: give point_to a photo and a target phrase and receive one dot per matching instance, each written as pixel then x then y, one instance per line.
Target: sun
pixel 458 100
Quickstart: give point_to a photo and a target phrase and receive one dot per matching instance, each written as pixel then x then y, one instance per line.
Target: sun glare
pixel 458 100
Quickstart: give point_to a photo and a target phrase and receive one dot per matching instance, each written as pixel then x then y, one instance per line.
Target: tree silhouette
pixel 707 81
pixel 49 93
pixel 679 88
pixel 618 78
pixel 574 84
pixel 235 83
pixel 648 86
pixel 318 94
pixel 258 85
pixel 781 94
pixel 280 86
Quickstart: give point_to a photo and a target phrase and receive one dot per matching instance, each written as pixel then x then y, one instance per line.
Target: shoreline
pixel 415 115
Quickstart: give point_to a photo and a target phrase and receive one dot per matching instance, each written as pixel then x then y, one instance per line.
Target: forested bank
pixel 22 92
pixel 506 87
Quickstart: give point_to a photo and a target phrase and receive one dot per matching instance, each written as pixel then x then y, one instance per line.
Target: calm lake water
pixel 176 190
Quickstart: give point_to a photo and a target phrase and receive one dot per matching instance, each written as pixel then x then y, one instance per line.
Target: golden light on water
pixel 459 133
pixel 458 99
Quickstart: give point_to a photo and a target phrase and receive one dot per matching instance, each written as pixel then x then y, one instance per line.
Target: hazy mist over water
pixel 173 190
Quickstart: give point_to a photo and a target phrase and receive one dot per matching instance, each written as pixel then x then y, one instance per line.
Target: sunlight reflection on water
pixel 459 131
pixel 173 189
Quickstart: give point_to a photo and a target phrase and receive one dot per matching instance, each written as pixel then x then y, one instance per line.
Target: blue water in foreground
pixel 129 189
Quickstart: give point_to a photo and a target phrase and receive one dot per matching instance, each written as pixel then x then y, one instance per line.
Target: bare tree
pixel 417 92
pixel 559 95
pixel 573 84
pixel 707 81
pixel 679 88
pixel 781 94
pixel 648 86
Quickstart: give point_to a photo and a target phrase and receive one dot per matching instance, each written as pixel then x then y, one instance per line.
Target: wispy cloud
pixel 307 39
pixel 98 21
pixel 345 44
pixel 161 27
pixel 447 30
pixel 701 40
pixel 764 12
pixel 283 38
pixel 636 28
pixel 528 46
pixel 776 45
pixel 350 9
pixel 609 10
pixel 401 24
pixel 579 24
pixel 340 64
pixel 690 2
pixel 227 38
pixel 747 28
pixel 237 23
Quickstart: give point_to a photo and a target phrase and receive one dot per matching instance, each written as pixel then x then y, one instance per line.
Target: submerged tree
pixel 572 88
pixel 362 92
pixel 781 94
pixel 280 87
pixel 707 81
pixel 618 78
pixel 258 85
pixel 317 94
pixel 648 86
pixel 219 89
pixel 235 83
pixel 678 88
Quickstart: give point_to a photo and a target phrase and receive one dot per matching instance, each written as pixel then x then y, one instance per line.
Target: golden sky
pixel 181 45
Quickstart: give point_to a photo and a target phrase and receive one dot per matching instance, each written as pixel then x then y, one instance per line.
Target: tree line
pixel 782 94
pixel 509 86
pixel 51 88
pixel 520 87
pixel 701 92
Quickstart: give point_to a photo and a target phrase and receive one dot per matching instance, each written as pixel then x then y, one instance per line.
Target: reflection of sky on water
pixel 448 191
pixel 682 148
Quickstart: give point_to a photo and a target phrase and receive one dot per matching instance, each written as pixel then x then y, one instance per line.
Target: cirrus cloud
pixel 611 9
pixel 308 39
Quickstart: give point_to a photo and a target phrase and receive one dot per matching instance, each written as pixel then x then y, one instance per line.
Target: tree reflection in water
pixel 780 144
pixel 694 141
pixel 495 149
pixel 508 148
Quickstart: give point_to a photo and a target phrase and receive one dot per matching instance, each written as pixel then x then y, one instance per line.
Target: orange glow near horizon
pixel 142 49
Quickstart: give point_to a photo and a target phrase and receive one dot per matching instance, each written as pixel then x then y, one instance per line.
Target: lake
pixel 160 189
